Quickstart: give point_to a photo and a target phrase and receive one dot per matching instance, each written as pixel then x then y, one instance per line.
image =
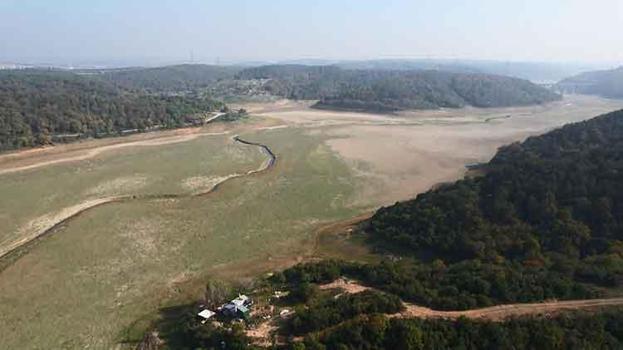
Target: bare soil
pixel 400 155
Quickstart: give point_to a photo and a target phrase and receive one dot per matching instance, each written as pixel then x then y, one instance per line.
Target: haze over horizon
pixel 165 31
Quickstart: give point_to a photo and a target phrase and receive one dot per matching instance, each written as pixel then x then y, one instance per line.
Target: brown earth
pixel 400 155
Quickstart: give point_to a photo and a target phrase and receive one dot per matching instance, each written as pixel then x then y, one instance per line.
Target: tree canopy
pixel 389 90
pixel 38 107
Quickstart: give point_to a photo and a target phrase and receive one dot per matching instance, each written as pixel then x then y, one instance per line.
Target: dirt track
pixel 502 312
pixel 91 153
pixel 493 313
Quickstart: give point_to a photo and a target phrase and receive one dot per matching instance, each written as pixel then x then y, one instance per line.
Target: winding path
pixel 41 228
pixel 493 313
pixel 502 312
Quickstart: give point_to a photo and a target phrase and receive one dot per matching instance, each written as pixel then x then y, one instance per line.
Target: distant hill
pixel 394 90
pixel 39 106
pixel 606 83
pixel 369 89
pixel 179 78
pixel 538 72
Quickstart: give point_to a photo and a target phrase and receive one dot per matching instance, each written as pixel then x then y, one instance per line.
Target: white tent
pixel 206 314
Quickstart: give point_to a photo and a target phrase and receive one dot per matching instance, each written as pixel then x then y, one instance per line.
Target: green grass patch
pixel 185 167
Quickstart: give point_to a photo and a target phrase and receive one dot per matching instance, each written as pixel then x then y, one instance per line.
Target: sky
pixel 226 31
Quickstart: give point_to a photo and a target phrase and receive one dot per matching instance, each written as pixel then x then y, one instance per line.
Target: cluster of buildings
pixel 238 308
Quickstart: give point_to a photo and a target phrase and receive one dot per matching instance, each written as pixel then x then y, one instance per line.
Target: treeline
pixel 571 331
pixel 388 91
pixel 461 286
pixel 168 79
pixel 323 312
pixel 38 107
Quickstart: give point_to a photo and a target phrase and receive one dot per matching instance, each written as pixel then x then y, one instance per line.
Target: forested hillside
pixel 39 106
pixel 180 78
pixel 544 222
pixel 388 91
pixel 576 331
pixel 607 83
pixel 534 71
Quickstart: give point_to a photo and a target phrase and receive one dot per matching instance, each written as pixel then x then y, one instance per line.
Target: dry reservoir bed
pixel 95 277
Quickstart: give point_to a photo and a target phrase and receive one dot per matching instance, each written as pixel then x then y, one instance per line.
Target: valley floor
pixel 124 262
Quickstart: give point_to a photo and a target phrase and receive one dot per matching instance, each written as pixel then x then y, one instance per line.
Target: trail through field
pixel 46 224
pixel 99 150
pixel 493 313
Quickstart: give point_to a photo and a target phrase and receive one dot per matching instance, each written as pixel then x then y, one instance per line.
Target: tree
pixel 404 336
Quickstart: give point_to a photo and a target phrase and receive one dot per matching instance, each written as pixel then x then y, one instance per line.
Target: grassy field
pixel 87 283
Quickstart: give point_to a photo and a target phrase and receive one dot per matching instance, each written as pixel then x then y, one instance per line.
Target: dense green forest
pixel 179 78
pixel 570 331
pixel 388 91
pixel 38 107
pixel 326 311
pixel 533 71
pixel 443 286
pixel 606 83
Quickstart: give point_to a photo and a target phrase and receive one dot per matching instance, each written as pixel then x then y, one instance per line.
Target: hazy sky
pixel 166 30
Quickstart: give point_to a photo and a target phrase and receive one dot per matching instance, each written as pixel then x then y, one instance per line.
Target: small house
pixel 237 308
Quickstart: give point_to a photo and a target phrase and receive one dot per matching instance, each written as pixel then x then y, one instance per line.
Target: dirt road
pixel 502 312
pixel 493 313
